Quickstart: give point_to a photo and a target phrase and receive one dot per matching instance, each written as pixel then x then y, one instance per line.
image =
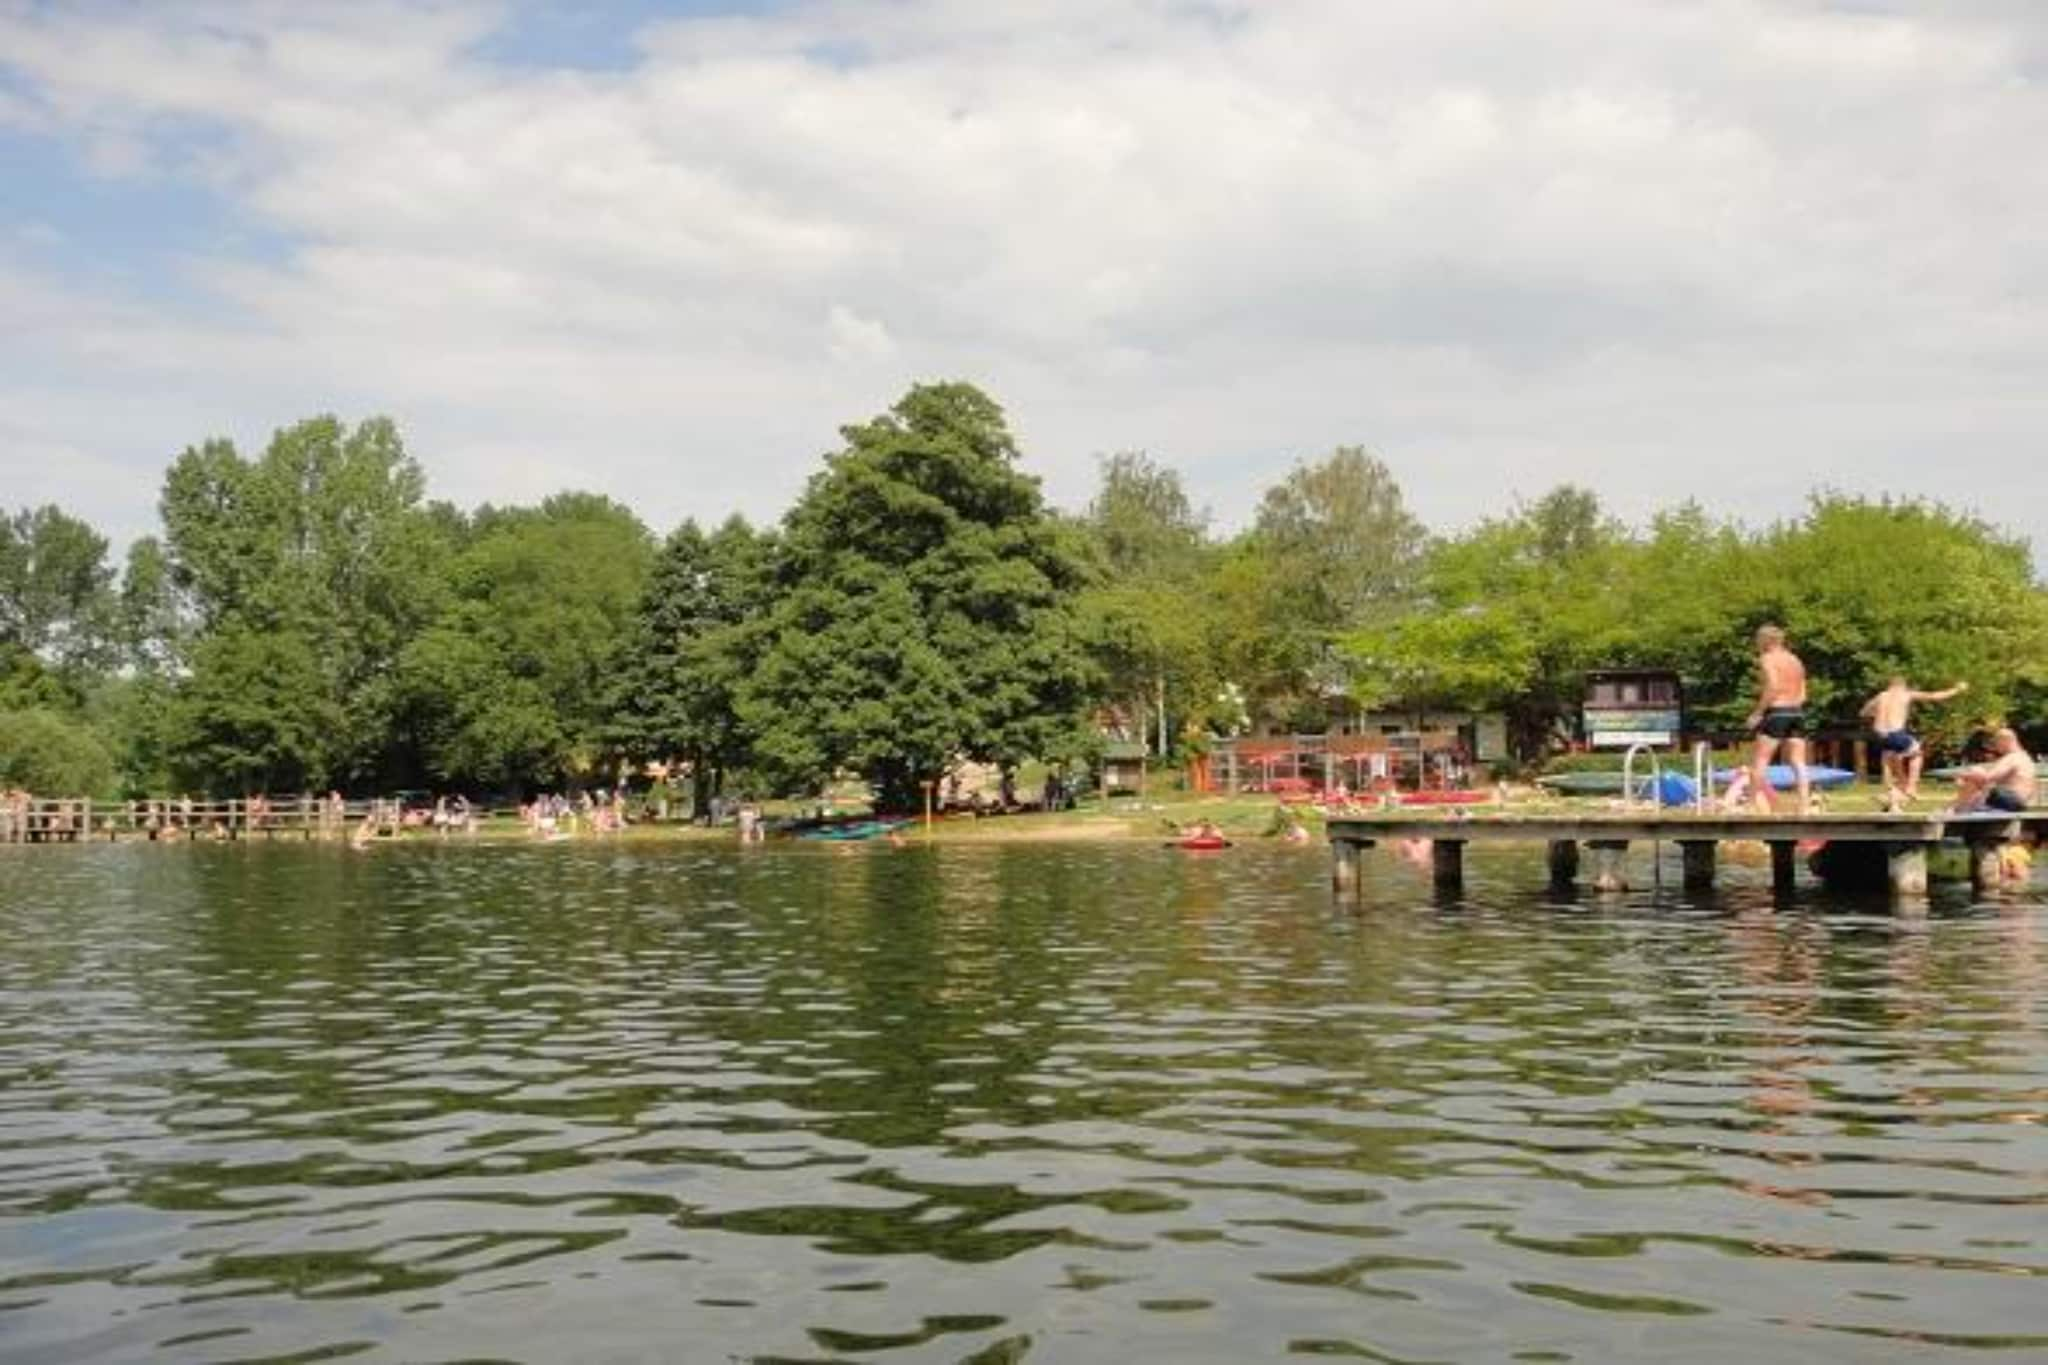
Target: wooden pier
pixel 44 820
pixel 1903 841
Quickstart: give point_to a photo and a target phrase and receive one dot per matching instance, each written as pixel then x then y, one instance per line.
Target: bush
pixel 50 755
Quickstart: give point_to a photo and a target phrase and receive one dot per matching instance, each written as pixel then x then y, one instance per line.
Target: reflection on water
pixel 999 1104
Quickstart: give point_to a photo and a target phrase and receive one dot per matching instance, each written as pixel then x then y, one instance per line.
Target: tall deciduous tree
pixel 56 600
pixel 321 542
pixel 1342 538
pixel 1332 548
pixel 1147 616
pixel 693 643
pixel 925 607
pixel 511 684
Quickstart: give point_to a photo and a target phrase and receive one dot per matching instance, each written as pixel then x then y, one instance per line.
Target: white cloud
pixel 1731 250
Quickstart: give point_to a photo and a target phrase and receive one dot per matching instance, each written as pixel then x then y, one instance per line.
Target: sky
pixel 1731 250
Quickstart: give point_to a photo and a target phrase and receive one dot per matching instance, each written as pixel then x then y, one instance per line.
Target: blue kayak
pixel 1779 775
pixel 852 831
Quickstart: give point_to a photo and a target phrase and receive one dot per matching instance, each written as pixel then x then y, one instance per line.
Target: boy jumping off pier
pixel 1888 713
pixel 1779 719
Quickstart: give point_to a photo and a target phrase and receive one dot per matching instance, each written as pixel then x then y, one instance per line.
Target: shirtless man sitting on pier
pixel 2008 782
pixel 1888 713
pixel 1779 718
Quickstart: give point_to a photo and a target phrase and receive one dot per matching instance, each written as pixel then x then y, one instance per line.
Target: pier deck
pixel 1905 839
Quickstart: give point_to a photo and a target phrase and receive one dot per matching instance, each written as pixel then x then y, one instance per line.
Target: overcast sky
pixel 1732 250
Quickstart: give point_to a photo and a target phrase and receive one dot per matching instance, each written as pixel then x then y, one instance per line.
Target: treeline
pixel 309 618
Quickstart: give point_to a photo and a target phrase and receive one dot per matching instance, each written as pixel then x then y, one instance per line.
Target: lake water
pixel 997 1104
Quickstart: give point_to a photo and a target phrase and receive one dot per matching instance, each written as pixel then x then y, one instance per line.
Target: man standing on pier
pixel 1888 713
pixel 1779 718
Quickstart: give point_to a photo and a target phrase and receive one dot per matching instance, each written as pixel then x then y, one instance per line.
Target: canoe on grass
pixel 1592 783
pixel 1609 783
pixel 1781 778
pixel 1444 798
pixel 1199 843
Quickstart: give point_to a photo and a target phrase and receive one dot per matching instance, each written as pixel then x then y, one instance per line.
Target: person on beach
pixel 2008 782
pixel 1779 719
pixel 1888 713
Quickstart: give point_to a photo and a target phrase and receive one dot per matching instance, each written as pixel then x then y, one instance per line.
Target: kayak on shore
pixel 1783 779
pixel 851 831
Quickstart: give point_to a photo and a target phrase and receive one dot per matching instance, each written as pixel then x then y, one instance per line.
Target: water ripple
pixel 998 1104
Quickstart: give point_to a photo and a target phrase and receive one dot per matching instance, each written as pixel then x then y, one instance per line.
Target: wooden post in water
pixel 1609 864
pixel 1907 867
pixel 1564 862
pixel 1698 856
pixel 1784 864
pixel 1987 865
pixel 1344 868
pixel 1447 862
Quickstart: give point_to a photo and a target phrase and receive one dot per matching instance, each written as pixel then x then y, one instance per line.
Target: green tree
pixel 1508 616
pixel 55 592
pixel 925 607
pixel 511 685
pixel 1146 615
pixel 254 715
pixel 1341 538
pixel 52 754
pixel 1866 588
pixel 321 540
pixel 693 643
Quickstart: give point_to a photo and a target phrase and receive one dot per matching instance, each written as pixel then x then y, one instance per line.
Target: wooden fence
pixel 77 819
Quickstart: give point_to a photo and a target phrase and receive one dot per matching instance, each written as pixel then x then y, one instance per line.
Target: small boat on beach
pixel 1783 779
pixel 851 831
pixel 1591 784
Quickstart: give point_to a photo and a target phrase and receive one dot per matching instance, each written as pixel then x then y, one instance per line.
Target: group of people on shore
pixel 2006 781
pixel 555 816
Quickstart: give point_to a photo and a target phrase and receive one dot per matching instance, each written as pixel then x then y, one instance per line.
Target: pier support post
pixel 1564 862
pixel 1907 867
pixel 1609 868
pixel 1987 865
pixel 1343 868
pixel 1698 858
pixel 1447 861
pixel 1784 864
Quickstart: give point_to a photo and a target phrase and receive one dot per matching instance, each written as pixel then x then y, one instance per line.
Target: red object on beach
pixel 1445 798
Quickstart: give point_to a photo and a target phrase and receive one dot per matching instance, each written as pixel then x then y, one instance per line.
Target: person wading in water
pixel 1779 719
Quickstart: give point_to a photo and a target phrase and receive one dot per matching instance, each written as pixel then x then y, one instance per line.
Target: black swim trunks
pixel 1783 722
pixel 2005 799
pixel 1902 742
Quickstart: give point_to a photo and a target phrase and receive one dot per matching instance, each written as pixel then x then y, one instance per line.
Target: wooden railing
pixel 39 819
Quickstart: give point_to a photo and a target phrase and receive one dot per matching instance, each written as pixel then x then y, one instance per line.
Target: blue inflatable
pixel 1675 789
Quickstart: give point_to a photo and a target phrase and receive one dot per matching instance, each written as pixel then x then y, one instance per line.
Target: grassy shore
pixel 1151 818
